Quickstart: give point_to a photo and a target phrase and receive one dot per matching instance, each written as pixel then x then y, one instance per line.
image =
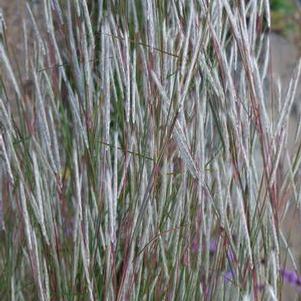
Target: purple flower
pixel 213 249
pixel 290 276
pixel 213 246
pixel 228 276
pixel 230 255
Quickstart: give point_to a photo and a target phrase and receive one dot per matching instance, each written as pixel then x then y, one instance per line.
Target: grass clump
pixel 143 156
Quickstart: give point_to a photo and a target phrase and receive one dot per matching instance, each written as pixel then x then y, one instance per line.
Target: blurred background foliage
pixel 286 19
